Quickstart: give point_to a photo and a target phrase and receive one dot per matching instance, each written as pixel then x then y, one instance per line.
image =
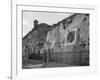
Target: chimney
pixel 35 24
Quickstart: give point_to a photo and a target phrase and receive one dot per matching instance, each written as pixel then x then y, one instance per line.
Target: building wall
pixel 60 35
pixel 73 53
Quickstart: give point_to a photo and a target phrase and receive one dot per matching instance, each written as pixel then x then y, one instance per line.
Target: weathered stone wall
pixel 71 58
pixel 75 53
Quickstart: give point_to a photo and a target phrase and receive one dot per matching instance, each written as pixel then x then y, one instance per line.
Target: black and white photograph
pixel 50 40
pixel 55 39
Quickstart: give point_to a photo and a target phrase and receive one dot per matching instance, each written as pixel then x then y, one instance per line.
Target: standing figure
pixel 45 56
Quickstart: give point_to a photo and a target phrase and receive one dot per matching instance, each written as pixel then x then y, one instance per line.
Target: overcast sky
pixel 43 17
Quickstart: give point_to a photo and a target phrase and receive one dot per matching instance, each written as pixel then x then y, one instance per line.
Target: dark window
pixel 70 37
pixel 84 19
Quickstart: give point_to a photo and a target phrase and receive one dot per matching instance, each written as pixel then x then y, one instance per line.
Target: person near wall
pixel 46 56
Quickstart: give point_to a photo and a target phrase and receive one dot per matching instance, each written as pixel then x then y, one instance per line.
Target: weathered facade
pixel 70 32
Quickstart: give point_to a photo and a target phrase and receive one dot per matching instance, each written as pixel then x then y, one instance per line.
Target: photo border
pixel 22 34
